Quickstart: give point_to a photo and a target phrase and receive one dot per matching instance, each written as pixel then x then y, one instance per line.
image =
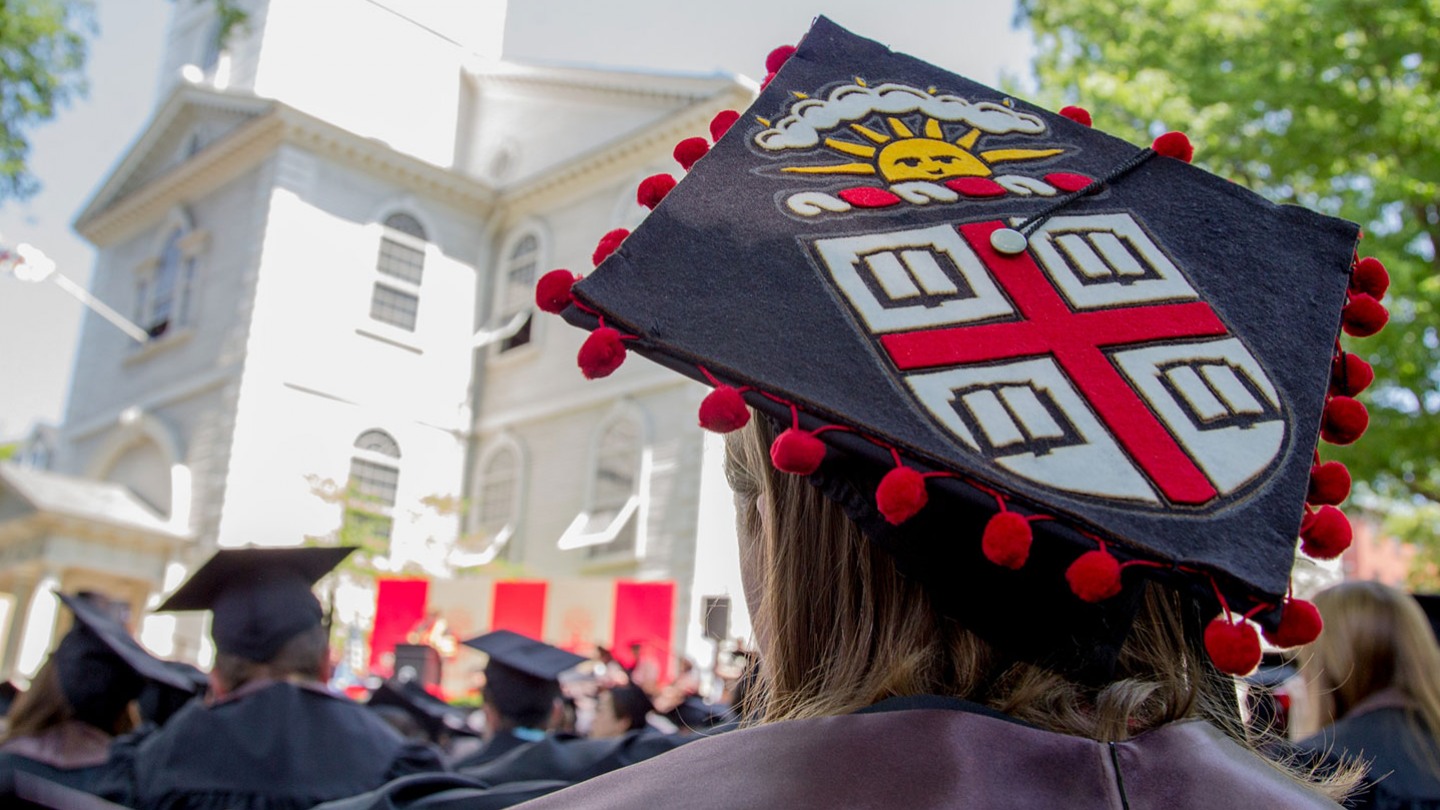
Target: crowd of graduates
pixel 106 723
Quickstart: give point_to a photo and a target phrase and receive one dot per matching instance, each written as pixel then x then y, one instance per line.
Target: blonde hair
pixel 840 628
pixel 1376 638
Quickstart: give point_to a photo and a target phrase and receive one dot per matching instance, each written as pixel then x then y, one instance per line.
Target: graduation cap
pixel 522 675
pixel 260 597
pixel 1036 362
pixel 100 665
pixel 434 715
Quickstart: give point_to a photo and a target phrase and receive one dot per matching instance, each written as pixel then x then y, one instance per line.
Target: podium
pixel 417 662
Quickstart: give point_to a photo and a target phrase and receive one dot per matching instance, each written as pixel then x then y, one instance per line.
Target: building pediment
pixel 29 496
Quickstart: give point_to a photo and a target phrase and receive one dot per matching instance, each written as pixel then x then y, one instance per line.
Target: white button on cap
pixel 1009 241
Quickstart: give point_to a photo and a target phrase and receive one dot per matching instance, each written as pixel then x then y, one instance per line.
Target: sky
pixel 73 154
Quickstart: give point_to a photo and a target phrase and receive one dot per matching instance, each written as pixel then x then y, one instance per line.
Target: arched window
pixel 517 290
pixel 163 296
pixel 497 504
pixel 400 268
pixel 614 492
pixel 374 481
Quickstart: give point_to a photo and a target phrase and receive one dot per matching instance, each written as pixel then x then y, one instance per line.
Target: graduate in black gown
pixel 82 697
pixel 522 692
pixel 272 735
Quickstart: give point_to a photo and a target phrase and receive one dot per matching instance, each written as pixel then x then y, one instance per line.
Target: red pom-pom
pixel 1174 145
pixel 552 291
pixel 601 353
pixel 1007 540
pixel 690 150
pixel 723 410
pixel 1079 115
pixel 1363 316
pixel 1329 483
pixel 1343 420
pixel 721 123
pixel 1235 648
pixel 778 57
pixel 608 243
pixel 1095 576
pixel 796 451
pixel 1325 533
pixel 765 82
pixel 1370 277
pixel 901 494
pixel 1349 375
pixel 653 189
pixel 1300 624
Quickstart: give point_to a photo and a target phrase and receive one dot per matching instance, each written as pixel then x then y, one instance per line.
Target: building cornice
pixel 247 147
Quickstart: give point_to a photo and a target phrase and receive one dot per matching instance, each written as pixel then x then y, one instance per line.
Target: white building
pixel 313 229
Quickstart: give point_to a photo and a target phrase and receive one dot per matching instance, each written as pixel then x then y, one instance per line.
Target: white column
pixel 23 591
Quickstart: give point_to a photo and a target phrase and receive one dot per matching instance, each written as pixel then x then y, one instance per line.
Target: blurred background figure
pixel 83 697
pixel 618 710
pixel 522 692
pixel 1373 681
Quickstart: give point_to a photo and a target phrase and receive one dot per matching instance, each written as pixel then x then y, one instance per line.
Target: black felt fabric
pixel 723 274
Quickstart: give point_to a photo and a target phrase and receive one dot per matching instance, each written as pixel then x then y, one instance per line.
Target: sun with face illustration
pixel 901 155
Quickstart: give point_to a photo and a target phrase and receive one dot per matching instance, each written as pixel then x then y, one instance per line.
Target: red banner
pixel 399 606
pixel 519 606
pixel 644 620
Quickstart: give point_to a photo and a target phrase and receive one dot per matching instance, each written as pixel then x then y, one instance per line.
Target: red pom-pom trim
pixel 601 353
pixel 1300 624
pixel 1174 145
pixel 797 452
pixel 1235 648
pixel 765 82
pixel 901 494
pixel 1343 421
pixel 1329 484
pixel 690 150
pixel 1095 576
pixel 1350 375
pixel 1370 277
pixel 1325 533
pixel 653 189
pixel 778 57
pixel 1079 115
pixel 1007 540
pixel 1363 316
pixel 721 123
pixel 723 410
pixel 608 243
pixel 552 291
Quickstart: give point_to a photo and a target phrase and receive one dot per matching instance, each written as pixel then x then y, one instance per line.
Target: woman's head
pixel 44 706
pixel 840 627
pixel 1376 638
pixel 618 710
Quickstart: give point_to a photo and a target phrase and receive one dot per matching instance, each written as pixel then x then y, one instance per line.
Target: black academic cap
pixel 433 714
pixel 1430 603
pixel 8 693
pixel 100 665
pixel 1037 362
pixel 260 597
pixel 522 674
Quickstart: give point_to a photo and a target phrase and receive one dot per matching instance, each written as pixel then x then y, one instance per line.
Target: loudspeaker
pixel 716 618
pixel 417 662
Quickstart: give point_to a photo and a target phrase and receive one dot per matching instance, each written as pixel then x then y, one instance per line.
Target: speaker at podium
pixel 417 662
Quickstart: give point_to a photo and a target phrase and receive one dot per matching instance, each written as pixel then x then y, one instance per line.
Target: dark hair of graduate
pixel 837 637
pixel 43 706
pixel 300 658
pixel 630 703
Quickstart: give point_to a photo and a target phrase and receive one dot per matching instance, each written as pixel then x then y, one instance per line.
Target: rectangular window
pixel 374 482
pixel 394 307
pixel 400 261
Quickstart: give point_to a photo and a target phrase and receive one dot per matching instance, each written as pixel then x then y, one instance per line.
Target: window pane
pixel 497 493
pixel 406 224
pixel 617 472
pixel 376 482
pixel 401 261
pixel 162 292
pixel 394 307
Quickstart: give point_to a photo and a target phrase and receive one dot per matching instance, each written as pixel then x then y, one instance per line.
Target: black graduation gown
pixel 1378 732
pixel 498 746
pixel 271 746
pixel 72 754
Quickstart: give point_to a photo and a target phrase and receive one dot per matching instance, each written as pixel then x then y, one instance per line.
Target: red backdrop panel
pixel 519 606
pixel 399 606
pixel 644 615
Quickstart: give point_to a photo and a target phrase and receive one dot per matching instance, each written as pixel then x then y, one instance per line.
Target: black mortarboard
pixel 1430 603
pixel 437 717
pixel 522 675
pixel 1022 353
pixel 100 665
pixel 261 597
pixel 8 692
